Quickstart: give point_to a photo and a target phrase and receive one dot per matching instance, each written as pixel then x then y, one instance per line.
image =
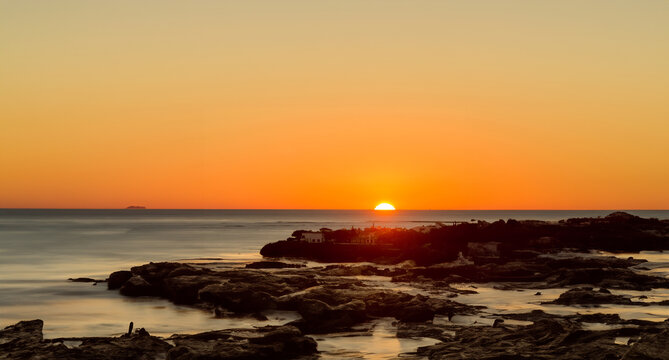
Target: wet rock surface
pixel 652 346
pixel 546 338
pixel 271 342
pixel 24 340
pixel 326 302
pixel 589 296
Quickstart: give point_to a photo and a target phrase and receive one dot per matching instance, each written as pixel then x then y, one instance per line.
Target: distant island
pixel 136 207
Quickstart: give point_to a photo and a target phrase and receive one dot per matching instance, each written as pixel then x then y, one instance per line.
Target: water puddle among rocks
pixel 376 343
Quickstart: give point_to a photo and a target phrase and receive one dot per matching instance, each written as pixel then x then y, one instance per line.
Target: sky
pixel 334 104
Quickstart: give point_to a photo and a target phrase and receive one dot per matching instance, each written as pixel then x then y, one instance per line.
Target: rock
pixel 24 341
pixel 588 296
pixel 23 333
pixel 614 278
pixel 155 272
pixel 85 279
pixel 545 339
pixel 653 346
pixel 416 313
pixel 184 289
pixel 272 265
pixel 319 317
pixel 416 330
pixel 237 297
pixel 117 279
pixel 271 342
pixel 137 286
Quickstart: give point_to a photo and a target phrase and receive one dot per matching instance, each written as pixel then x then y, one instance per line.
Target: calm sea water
pixel 40 249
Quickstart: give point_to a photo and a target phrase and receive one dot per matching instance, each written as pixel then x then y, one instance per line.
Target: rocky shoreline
pixel 24 340
pixel 422 299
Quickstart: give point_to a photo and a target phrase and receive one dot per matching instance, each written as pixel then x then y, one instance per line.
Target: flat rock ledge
pixel 326 301
pixel 548 338
pixel 24 340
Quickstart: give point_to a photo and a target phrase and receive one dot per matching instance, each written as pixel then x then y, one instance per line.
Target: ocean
pixel 41 249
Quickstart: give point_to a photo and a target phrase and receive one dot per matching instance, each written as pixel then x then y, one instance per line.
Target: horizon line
pixel 325 209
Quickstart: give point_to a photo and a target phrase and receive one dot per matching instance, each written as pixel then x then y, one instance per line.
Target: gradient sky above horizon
pixel 335 104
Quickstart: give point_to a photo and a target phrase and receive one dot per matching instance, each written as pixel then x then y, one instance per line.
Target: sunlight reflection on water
pixel 380 343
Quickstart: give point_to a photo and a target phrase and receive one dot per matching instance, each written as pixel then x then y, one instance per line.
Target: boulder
pixel 137 286
pixel 21 334
pixel 184 289
pixel 319 317
pixel 117 279
pixel 237 297
pixel 588 296
pixel 416 313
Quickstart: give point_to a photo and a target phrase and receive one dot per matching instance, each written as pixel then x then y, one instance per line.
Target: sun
pixel 384 206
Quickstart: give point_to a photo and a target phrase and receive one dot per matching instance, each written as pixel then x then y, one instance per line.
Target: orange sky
pixel 335 104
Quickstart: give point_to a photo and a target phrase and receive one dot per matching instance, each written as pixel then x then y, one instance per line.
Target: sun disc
pixel 384 206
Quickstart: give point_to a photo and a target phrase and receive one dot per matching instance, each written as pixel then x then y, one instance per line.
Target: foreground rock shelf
pixel 327 303
pixel 24 340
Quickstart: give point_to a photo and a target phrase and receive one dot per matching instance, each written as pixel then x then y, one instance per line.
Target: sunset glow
pixel 308 105
pixel 384 206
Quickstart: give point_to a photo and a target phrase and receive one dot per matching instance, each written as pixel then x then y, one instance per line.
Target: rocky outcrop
pixel 618 232
pixel 319 317
pixel 589 296
pixel 652 346
pixel 24 341
pixel 326 303
pixel 607 272
pixel 137 286
pixel 117 279
pixel 23 334
pixel 545 339
pixel 271 342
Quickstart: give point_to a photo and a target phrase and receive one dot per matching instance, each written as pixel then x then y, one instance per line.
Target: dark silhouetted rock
pixel 85 280
pixel 137 286
pixel 319 317
pixel 117 279
pixel 653 346
pixel 273 265
pixel 588 296
pixel 271 342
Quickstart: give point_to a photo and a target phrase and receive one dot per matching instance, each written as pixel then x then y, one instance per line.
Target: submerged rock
pixel 117 279
pixel 137 286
